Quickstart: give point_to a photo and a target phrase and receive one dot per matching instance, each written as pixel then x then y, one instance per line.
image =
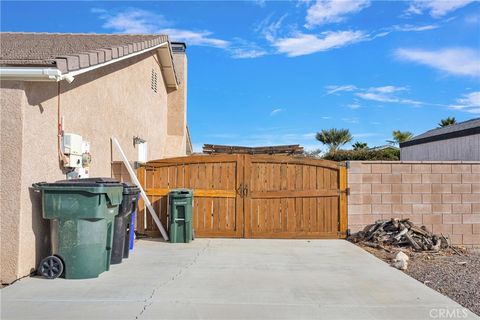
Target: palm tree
pixel 400 136
pixel 359 145
pixel 447 122
pixel 334 138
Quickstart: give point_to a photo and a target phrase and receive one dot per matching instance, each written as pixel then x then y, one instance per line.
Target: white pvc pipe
pixel 134 178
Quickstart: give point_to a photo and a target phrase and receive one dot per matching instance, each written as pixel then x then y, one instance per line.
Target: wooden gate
pixel 252 196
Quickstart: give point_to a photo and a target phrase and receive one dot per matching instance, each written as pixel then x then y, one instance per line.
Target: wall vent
pixel 154 81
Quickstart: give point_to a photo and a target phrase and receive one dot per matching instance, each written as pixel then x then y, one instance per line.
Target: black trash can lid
pixel 130 188
pixel 88 182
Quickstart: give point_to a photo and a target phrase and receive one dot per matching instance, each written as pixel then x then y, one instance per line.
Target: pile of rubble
pixel 400 233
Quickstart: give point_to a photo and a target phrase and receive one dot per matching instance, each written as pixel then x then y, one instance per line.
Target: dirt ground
pixel 455 275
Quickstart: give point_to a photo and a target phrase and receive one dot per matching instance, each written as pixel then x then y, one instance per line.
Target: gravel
pixel 453 275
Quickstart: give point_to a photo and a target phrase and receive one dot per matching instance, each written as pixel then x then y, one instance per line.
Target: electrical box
pixel 73 161
pixel 72 144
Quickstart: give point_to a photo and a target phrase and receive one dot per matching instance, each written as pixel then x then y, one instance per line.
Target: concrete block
pixel 441 208
pixel 392 178
pixel 471 178
pixel 461 208
pixel 421 168
pixel 452 178
pixel 475 208
pixel 421 188
pixel 442 228
pixel 476 228
pixel 432 219
pixel 411 178
pixel 421 208
pixel 381 188
pixel 470 198
pixel 381 208
pixel 391 198
pixel 415 218
pixel 461 168
pixel 359 209
pixel 401 168
pixel 355 178
pixel 462 229
pixel 401 188
pixel 412 198
pixel 401 208
pixel 431 178
pixel 476 188
pixel 451 198
pixel 441 188
pixel 471 239
pixel 371 178
pixel 381 168
pixel 441 168
pixel 452 219
pixel 431 198
pixel 456 239
pixel 461 188
pixel 471 218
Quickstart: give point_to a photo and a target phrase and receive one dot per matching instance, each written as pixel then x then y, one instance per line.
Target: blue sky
pixel 263 73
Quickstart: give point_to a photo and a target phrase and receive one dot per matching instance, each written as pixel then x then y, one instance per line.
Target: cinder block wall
pixel 443 196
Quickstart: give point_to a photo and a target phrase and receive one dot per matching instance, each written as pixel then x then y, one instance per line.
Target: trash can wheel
pixel 51 267
pixel 193 234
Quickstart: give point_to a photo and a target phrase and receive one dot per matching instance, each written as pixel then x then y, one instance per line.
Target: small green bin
pixel 181 207
pixel 81 214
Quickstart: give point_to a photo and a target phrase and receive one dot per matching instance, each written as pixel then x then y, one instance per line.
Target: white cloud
pixel 351 120
pixel 387 89
pixel 303 44
pixel 276 111
pixel 333 89
pixel 135 21
pixel 330 11
pixel 354 106
pixel 409 27
pixel 198 38
pixel 325 118
pixel 436 8
pixel 268 28
pixel 457 61
pixel 364 135
pixel 138 21
pixel 468 103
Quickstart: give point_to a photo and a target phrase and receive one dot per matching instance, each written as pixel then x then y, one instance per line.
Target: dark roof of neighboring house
pixel 460 129
pixel 69 52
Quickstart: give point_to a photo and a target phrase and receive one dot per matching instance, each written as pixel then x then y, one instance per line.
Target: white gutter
pixel 30 74
pixel 54 74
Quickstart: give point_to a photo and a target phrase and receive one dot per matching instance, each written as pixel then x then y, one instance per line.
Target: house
pixel 63 96
pixel 460 141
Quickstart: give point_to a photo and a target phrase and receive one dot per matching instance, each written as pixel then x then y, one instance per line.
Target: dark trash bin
pixel 122 225
pixel 81 214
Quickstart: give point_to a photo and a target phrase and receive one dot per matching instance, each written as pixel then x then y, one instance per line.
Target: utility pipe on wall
pixel 134 178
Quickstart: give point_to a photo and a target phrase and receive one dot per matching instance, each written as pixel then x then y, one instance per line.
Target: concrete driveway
pixel 235 279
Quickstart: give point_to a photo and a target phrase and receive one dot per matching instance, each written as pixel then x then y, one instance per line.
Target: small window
pixel 154 81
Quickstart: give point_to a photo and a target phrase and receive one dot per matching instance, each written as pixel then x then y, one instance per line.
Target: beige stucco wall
pixel 177 104
pixel 116 100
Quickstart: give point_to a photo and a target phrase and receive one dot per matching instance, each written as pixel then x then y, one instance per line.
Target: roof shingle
pixel 69 52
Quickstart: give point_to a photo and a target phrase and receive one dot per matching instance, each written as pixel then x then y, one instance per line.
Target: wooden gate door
pixel 217 211
pixel 293 197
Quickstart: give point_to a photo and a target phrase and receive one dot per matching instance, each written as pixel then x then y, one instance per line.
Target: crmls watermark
pixel 448 313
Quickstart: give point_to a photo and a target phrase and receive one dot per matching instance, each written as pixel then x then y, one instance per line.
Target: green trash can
pixel 81 214
pixel 181 207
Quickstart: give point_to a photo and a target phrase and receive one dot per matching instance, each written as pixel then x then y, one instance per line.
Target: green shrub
pixel 391 154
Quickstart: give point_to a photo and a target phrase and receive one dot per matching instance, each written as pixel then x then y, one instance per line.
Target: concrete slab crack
pixel 149 300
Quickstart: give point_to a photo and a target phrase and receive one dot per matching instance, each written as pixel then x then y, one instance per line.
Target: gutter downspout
pixel 54 74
